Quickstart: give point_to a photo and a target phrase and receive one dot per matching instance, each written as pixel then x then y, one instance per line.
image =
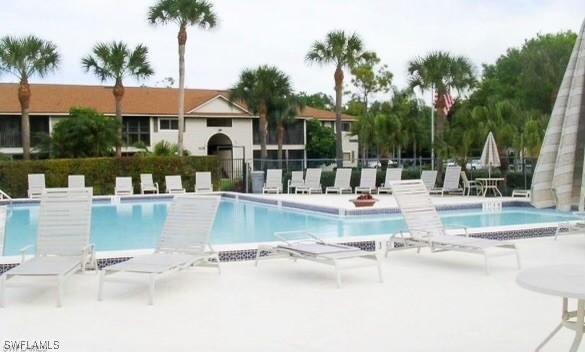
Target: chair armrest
pixel 460 227
pixel 23 251
pixel 87 252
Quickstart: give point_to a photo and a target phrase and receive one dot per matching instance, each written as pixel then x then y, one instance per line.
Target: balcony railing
pixel 10 139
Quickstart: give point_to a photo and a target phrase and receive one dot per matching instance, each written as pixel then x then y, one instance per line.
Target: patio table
pixel 566 281
pixel 488 183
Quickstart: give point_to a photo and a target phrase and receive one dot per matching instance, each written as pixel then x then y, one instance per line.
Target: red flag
pixel 445 103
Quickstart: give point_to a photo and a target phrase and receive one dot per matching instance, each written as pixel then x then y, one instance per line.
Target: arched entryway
pixel 220 145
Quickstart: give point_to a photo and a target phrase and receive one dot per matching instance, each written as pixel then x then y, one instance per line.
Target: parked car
pixel 474 164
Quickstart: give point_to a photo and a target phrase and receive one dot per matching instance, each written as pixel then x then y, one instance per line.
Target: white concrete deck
pixel 429 302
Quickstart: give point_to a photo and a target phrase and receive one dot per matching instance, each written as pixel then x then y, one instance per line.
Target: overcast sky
pixel 254 32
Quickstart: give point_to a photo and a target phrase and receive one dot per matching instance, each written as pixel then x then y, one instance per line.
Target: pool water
pixel 137 225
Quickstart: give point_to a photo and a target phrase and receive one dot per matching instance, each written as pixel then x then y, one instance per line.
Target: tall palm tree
pixel 342 50
pixel 282 113
pixel 184 13
pixel 260 89
pixel 115 61
pixel 25 57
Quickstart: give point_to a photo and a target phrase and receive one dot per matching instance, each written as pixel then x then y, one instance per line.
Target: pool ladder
pixel 492 205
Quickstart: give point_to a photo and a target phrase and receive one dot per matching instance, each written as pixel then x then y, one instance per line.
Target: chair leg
pixel 518 261
pixel 2 288
pixel 102 274
pixel 486 263
pixel 337 274
pixel 380 276
pixel 59 290
pixel 151 289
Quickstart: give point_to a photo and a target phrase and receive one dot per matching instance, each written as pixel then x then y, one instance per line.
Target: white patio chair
pixel 429 178
pixel 367 181
pixel 147 184
pixel 184 243
pixel 308 246
pixel 450 181
pixel 174 184
pixel 296 180
pixel 273 182
pixel 392 174
pixel 469 186
pixel 203 182
pixel 62 246
pixel 342 182
pixel 522 193
pixel 426 229
pixel 312 182
pixel 124 186
pixel 76 181
pixel 36 185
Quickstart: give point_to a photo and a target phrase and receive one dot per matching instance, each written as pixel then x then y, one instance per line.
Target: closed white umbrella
pixel 490 156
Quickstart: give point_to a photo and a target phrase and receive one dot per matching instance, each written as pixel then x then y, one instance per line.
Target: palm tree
pixel 116 61
pixel 184 13
pixel 342 50
pixel 260 89
pixel 25 57
pixel 281 113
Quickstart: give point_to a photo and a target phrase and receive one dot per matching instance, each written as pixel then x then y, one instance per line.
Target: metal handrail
pixel 4 195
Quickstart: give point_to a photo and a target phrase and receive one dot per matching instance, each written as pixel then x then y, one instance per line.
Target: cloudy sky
pixel 254 32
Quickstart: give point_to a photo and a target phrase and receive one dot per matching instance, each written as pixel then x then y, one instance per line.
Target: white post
pixel 432 127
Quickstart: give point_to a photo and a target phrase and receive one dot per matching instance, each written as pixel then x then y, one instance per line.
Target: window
pixel 136 130
pixel 346 156
pixel 346 126
pixel 166 124
pixel 216 122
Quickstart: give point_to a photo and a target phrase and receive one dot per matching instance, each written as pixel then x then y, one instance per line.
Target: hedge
pixel 100 173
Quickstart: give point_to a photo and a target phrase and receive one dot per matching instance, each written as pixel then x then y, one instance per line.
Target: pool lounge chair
pixel 174 184
pixel 124 186
pixel 429 178
pixel 367 181
pixel 296 180
pixel 522 193
pixel 394 174
pixel 273 182
pixel 36 185
pixel 312 182
pixel 470 185
pixel 76 181
pixel 184 243
pixel 342 182
pixel 426 228
pixel 450 181
pixel 147 185
pixel 203 182
pixel 62 246
pixel 310 247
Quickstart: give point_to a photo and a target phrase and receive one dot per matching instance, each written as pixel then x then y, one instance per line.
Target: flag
pixel 444 102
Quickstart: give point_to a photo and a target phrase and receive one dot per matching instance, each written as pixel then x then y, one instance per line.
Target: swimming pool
pixel 137 224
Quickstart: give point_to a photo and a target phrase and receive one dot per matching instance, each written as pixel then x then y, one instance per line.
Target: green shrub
pixel 100 173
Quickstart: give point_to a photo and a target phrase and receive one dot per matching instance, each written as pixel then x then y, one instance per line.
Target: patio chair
pixel 36 185
pixel 429 178
pixel 426 228
pixel 147 184
pixel 76 181
pixel 62 245
pixel 183 243
pixel 124 186
pixel 312 182
pixel 174 184
pixel 296 180
pixel 342 182
pixel 367 181
pixel 203 182
pixel 450 181
pixel 273 182
pixel 469 186
pixel 307 246
pixel 392 174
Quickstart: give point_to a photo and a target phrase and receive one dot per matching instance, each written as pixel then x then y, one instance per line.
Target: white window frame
pixel 160 129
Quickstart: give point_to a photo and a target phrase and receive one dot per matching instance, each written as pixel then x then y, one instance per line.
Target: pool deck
pixel 428 302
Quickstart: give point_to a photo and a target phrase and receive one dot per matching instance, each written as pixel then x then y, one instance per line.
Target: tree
pixel 341 50
pixel 260 89
pixel 282 112
pixel 115 61
pixel 184 13
pixel 85 133
pixel 25 57
pixel 320 141
pixel 317 100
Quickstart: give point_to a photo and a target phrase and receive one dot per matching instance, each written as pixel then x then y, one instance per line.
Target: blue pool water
pixel 136 225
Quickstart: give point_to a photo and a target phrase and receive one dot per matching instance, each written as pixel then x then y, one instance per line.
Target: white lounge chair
pixel 273 182
pixel 147 184
pixel 203 182
pixel 310 247
pixel 469 186
pixel 522 193
pixel 392 174
pixel 184 243
pixel 429 178
pixel 296 180
pixel 367 181
pixel 76 181
pixel 450 181
pixel 62 246
pixel 124 186
pixel 426 228
pixel 174 184
pixel 312 182
pixel 36 185
pixel 342 182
